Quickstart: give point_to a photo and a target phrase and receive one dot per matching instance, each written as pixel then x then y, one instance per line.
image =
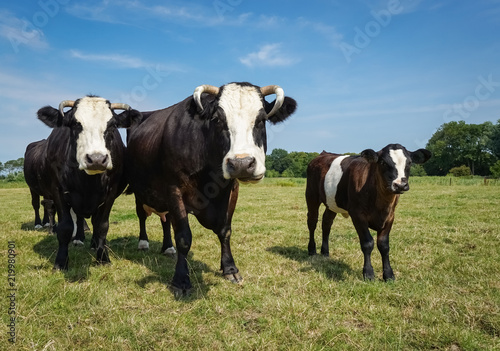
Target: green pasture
pixel 445 252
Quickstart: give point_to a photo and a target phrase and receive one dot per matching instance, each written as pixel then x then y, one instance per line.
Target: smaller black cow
pixel 34 159
pixel 365 187
pixel 39 182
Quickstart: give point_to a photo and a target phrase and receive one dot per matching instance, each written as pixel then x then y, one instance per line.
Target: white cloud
pixel 20 32
pixel 268 55
pixel 122 61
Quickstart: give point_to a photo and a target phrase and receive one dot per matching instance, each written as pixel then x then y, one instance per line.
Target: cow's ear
pixel 128 118
pixel 288 108
pixel 370 155
pixel 50 116
pixel 420 156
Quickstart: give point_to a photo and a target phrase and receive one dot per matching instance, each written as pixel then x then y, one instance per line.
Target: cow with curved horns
pixel 84 163
pixel 364 187
pixel 189 158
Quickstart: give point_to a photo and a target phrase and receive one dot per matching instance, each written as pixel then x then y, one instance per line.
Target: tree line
pixel 457 148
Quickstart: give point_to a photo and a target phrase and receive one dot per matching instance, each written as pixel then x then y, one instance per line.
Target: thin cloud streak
pixel 268 55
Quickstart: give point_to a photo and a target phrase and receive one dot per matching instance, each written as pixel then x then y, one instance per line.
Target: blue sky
pixel 364 73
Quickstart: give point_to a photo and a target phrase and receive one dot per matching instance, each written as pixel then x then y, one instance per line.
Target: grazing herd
pixel 189 158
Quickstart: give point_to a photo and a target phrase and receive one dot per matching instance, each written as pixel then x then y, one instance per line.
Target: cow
pixel 39 181
pixel 190 158
pixel 167 247
pixel 84 165
pixel 366 188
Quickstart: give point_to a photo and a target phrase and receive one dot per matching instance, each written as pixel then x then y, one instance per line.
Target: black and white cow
pixel 84 165
pixel 188 158
pixel 366 188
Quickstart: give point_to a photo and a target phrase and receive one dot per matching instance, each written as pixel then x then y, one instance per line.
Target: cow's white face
pixel 93 115
pixel 401 162
pixel 245 119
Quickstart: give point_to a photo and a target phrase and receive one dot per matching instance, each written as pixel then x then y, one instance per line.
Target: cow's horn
pixel 119 106
pixel 280 96
pixel 205 88
pixel 65 103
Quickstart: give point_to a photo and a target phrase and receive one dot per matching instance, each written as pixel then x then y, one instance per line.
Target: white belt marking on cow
pixel 332 179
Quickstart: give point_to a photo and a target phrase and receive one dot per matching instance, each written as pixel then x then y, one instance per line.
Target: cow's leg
pixel 383 248
pixel 181 283
pixel 46 216
pixel 367 244
pixel 312 221
pixel 79 234
pixel 35 203
pixel 227 264
pixel 143 236
pixel 51 213
pixel 326 225
pixel 100 226
pixel 64 230
pixel 167 247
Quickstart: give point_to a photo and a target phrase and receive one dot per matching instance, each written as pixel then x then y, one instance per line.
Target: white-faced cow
pixel 84 164
pixel 365 187
pixel 188 158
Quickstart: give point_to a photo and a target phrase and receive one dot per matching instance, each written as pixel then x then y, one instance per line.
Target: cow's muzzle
pixel 96 163
pixel 400 187
pixel 243 167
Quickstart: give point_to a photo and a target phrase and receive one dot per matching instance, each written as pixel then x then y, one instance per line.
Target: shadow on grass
pixel 162 267
pixel 330 268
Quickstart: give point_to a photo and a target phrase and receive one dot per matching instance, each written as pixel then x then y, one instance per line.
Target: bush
pixel 417 171
pixel 462 171
pixel 271 173
pixel 495 170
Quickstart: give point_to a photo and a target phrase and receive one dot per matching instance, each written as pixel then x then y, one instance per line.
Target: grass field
pixel 444 251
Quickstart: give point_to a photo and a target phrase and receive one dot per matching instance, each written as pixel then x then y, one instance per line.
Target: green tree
pixel 494 144
pixel 457 143
pixel 495 170
pixel 12 167
pixel 278 160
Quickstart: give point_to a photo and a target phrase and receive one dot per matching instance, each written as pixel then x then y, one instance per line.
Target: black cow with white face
pixel 188 158
pixel 84 163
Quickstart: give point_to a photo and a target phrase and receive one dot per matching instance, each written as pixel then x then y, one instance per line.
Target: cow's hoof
pixel 170 252
pixel 389 277
pixel 78 243
pixel 102 257
pixel 143 245
pixel 57 267
pixel 38 226
pixel 234 278
pixel 180 293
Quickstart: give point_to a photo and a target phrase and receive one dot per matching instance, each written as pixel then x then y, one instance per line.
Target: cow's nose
pixel 241 167
pixel 402 185
pixel 97 162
